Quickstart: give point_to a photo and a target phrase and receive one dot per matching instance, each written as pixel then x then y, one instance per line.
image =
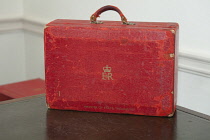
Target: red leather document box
pixel 22 89
pixel 114 66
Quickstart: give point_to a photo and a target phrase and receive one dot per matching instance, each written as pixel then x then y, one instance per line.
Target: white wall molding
pixel 10 24
pixel 21 23
pixel 35 26
pixel 194 63
pixel 188 62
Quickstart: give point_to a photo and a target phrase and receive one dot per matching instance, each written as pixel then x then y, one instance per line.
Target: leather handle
pixel 106 8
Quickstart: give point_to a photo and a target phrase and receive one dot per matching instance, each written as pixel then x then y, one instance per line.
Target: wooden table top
pixel 29 119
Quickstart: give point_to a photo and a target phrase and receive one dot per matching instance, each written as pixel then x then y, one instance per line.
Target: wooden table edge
pixel 180 108
pixel 194 113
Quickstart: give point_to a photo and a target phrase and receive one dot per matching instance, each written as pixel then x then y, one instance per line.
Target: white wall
pixel 194 92
pixel 34 55
pixel 192 15
pixel 12 57
pixel 12 53
pixel 10 8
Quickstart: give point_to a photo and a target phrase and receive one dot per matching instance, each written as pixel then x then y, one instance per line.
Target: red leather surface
pixel 140 75
pixel 4 97
pixel 23 89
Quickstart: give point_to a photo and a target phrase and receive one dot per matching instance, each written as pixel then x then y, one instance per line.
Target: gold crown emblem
pixel 107 69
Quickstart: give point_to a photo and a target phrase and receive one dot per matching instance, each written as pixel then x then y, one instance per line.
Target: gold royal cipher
pixel 107 75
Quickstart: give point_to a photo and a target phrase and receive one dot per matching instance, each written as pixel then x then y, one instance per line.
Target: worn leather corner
pixel 45 27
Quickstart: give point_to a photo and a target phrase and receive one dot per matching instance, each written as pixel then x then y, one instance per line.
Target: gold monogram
pixel 107 75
